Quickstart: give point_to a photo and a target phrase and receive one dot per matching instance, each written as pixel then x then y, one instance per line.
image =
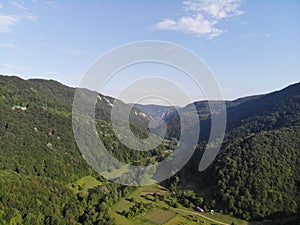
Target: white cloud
pixel 267 35
pixel 202 17
pixel 218 9
pixel 249 35
pixel 252 35
pixel 51 4
pixel 30 16
pixel 26 14
pixel 192 24
pixel 19 5
pixel 167 24
pixel 7 22
pixel 13 67
pixel 7 45
pixel 1 6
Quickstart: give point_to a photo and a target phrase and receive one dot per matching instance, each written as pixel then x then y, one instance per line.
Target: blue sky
pixel 252 46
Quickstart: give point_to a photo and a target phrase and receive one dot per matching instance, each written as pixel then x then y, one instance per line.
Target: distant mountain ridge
pixel 168 112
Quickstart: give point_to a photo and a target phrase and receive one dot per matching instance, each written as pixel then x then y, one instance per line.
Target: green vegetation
pixel 45 180
pixel 38 148
pixel 258 170
pixel 36 200
pixel 36 140
pixel 160 216
pixel 84 184
pixel 162 212
pixel 256 174
pixel 137 209
pixel 265 168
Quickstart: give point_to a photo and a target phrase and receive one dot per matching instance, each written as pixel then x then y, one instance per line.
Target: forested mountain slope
pixel 256 174
pixel 36 131
pixel 36 128
pixel 258 170
pixel 39 156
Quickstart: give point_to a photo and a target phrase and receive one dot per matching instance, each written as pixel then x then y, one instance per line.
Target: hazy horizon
pixel 149 103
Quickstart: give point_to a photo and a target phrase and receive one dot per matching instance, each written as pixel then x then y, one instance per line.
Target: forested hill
pixel 257 172
pixel 39 156
pixel 35 129
pixel 255 176
pixel 280 104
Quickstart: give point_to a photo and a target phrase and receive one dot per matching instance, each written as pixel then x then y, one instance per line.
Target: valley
pixel 44 178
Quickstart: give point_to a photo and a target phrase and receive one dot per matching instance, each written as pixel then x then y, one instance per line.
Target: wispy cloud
pixel 267 35
pixel 71 51
pixel 7 45
pixel 217 9
pixel 192 24
pixel 19 5
pixel 249 35
pixel 25 12
pixel 13 67
pixel 51 4
pixel 7 22
pixel 1 6
pixel 202 17
pixel 252 35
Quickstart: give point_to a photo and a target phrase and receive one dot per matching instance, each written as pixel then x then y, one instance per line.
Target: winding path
pixel 205 217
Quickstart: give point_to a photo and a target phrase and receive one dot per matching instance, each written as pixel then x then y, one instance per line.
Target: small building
pixel 199 209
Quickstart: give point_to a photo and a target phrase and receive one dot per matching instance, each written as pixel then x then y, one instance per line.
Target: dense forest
pixel 256 175
pixel 258 169
pixel 39 154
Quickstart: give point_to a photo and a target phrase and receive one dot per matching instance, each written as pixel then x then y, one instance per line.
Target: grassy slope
pixel 84 184
pixel 162 210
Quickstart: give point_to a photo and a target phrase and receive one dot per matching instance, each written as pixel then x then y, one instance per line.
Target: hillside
pixel 256 175
pixel 258 169
pixel 36 129
pixel 164 112
pixel 38 152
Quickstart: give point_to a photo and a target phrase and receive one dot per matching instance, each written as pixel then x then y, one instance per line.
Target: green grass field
pixel 159 216
pixel 161 213
pixel 84 184
pixel 164 214
pixel 116 172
